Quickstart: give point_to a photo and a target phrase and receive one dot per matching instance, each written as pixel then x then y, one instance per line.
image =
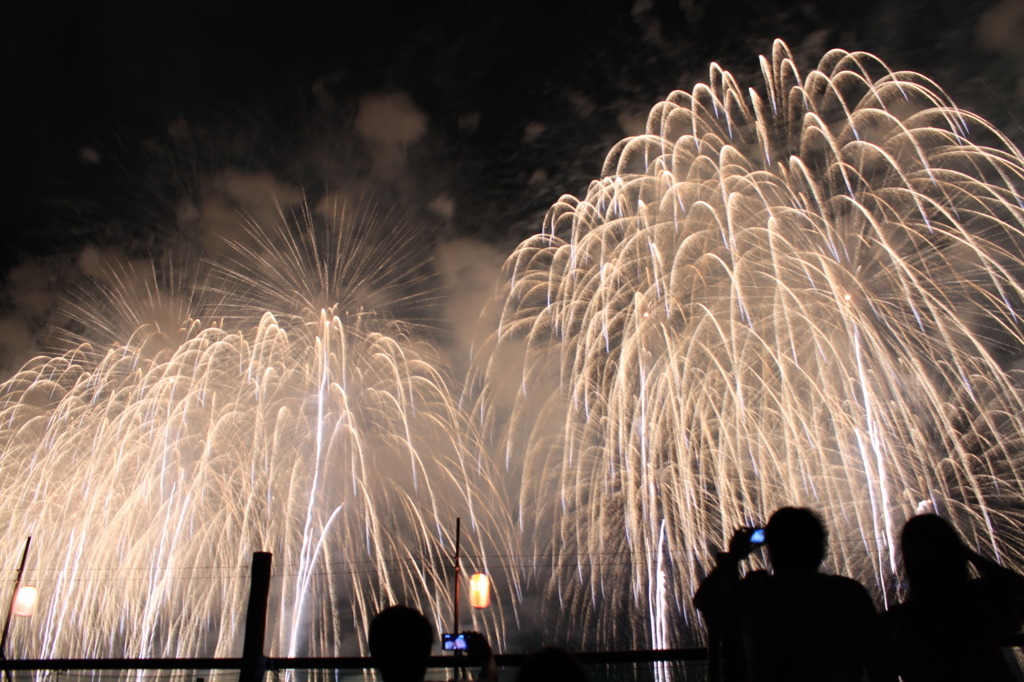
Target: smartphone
pixel 757 537
pixel 452 642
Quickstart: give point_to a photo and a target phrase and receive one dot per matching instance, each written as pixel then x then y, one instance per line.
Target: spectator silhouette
pixel 794 624
pixel 951 626
pixel 551 664
pixel 400 642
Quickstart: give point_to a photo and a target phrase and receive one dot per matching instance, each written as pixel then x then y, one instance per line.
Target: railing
pixel 617 665
pixel 682 665
pixel 336 663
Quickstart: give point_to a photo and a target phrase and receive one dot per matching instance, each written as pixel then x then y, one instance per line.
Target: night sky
pixel 136 129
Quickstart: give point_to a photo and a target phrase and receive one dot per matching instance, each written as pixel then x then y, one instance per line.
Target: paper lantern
pixel 25 601
pixel 479 591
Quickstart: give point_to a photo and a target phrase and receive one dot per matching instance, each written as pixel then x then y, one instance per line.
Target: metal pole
pixel 14 595
pixel 455 616
pixel 254 662
pixel 460 672
pixel 10 608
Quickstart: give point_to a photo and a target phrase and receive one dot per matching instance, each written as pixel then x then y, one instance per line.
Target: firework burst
pixel 807 294
pixel 149 471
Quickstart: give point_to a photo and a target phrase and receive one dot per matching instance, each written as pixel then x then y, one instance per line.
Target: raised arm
pixel 715 594
pixel 1008 584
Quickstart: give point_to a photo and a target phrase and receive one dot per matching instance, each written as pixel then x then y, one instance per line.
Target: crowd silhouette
pixel 794 623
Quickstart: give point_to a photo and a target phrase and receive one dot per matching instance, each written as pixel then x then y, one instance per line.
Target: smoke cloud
pixel 390 123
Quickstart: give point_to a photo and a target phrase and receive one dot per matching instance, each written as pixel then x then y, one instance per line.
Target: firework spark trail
pixel 149 472
pixel 806 295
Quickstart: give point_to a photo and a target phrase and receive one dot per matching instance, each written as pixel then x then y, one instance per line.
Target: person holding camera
pixel 952 627
pixel 793 624
pixel 401 639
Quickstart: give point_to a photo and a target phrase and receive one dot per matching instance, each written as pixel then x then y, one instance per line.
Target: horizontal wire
pixel 412 559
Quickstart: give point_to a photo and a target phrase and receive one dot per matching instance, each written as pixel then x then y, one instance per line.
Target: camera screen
pixel 453 642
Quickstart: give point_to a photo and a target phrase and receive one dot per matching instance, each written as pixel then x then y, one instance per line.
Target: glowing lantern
pixel 25 601
pixel 479 591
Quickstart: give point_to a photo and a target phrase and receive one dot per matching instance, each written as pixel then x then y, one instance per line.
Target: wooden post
pixel 254 662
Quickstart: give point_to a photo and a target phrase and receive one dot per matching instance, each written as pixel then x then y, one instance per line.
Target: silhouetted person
pixel 794 624
pixel 551 664
pixel 400 642
pixel 951 627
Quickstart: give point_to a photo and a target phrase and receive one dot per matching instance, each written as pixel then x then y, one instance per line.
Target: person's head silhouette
pixel 934 558
pixel 400 641
pixel 796 541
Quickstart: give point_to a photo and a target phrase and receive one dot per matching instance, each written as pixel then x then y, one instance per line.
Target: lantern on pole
pixel 25 601
pixel 11 606
pixel 479 591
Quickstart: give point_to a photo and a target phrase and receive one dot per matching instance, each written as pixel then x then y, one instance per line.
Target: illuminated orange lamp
pixel 25 601
pixel 479 591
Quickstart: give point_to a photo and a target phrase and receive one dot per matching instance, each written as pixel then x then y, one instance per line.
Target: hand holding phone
pixel 743 542
pixel 454 642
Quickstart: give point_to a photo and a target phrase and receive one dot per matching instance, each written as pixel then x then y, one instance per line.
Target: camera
pixel 757 537
pixel 453 642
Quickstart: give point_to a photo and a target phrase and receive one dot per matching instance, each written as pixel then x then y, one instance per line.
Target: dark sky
pixel 134 127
